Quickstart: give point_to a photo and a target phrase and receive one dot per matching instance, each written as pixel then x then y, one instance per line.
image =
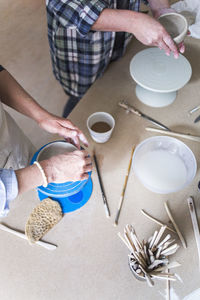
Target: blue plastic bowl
pixel 70 195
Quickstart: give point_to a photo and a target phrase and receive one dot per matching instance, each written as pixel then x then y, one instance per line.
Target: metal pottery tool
pixel 124 189
pixel 194 223
pixel 105 202
pixel 172 133
pixel 23 236
pixel 197 119
pixel 194 109
pixel 133 110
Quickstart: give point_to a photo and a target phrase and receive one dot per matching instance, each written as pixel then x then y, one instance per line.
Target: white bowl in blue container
pixel 70 195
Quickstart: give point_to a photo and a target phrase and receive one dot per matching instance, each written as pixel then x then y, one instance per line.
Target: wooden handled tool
pixel 23 236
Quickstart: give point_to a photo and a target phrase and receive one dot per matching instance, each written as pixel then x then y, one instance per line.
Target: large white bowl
pixel 164 164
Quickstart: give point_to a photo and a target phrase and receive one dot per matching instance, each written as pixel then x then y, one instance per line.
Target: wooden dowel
pixel 177 134
pixel 156 220
pixel 124 241
pixel 168 286
pixel 23 236
pixel 175 225
pixel 195 224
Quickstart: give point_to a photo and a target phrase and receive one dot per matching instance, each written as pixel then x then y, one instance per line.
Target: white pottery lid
pixel 154 70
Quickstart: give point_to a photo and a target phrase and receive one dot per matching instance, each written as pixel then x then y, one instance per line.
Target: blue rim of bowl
pixel 65 189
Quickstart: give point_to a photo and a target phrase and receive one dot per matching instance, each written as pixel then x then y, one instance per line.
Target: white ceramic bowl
pixel 65 189
pixel 164 164
pixel 176 25
pixel 55 148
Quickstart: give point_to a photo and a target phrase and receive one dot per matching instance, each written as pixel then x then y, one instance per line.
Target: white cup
pixel 176 25
pixel 100 137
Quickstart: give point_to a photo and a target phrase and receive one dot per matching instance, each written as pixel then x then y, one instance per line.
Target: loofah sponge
pixel 44 216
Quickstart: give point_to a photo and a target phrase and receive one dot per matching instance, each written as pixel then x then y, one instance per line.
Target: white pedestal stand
pixel 159 76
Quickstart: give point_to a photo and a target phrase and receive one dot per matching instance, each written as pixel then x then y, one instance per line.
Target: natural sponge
pixel 43 217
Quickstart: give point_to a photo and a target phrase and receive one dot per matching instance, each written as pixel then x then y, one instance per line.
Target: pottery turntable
pixel 159 76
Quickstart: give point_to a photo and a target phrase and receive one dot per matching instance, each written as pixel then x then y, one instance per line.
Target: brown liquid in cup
pixel 100 127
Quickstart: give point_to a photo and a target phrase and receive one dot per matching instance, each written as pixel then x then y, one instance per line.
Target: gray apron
pixel 15 148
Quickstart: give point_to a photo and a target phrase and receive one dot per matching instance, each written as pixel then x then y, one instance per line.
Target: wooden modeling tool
pixel 23 236
pixel 195 224
pixel 177 134
pixel 124 189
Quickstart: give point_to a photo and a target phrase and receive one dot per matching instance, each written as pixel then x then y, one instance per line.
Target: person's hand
pixel 72 166
pixel 151 33
pixel 64 128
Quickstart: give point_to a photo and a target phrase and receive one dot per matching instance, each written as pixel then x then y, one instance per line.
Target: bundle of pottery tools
pixel 148 260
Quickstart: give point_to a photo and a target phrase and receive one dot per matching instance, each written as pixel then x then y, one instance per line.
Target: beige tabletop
pixel 91 262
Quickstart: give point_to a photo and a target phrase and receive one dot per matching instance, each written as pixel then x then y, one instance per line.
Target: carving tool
pixel 194 109
pixel 135 111
pixel 105 202
pixel 197 119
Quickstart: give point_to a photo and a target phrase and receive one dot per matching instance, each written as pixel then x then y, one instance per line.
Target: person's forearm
pixel 13 95
pixel 31 177
pixel 71 166
pixel 115 20
pixel 124 20
pixel 28 178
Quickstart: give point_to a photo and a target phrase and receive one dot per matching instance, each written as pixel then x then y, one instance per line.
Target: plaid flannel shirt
pixel 80 55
